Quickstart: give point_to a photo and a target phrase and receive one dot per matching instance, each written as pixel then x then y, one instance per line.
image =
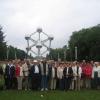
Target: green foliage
pixel 10 50
pixel 62 53
pixel 87 42
pixel 2 45
pixel 14 53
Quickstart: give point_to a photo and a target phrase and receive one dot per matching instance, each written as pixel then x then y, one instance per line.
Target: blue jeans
pixel 44 82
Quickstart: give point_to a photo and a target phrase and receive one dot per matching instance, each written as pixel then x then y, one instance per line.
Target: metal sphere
pixel 27 37
pixel 51 38
pixel 27 49
pixel 39 43
pixel 39 30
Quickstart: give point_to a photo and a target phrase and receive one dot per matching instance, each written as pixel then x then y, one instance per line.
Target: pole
pixel 64 55
pixel 51 57
pixel 28 48
pixel 58 56
pixel 39 36
pixel 7 52
pixel 15 54
pixel 38 53
pixel 75 52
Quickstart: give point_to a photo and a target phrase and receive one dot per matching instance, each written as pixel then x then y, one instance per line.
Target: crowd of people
pixel 49 75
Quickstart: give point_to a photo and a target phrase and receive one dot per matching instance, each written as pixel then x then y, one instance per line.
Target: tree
pixel 62 53
pixel 2 45
pixel 87 42
pixel 15 53
pixel 9 52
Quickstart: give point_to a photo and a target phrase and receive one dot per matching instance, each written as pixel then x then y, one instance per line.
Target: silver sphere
pixel 51 37
pixel 27 49
pixel 39 43
pixel 39 30
pixel 27 37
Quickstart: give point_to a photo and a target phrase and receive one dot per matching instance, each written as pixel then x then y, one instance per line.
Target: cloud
pixel 57 17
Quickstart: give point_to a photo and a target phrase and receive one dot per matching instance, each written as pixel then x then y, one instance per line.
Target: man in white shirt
pixel 35 73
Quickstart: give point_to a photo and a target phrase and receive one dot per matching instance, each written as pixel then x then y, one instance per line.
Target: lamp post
pixel 27 49
pixel 58 56
pixel 64 55
pixel 15 54
pixel 65 50
pixel 76 53
pixel 7 52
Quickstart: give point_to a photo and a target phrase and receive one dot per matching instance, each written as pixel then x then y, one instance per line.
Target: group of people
pixel 50 75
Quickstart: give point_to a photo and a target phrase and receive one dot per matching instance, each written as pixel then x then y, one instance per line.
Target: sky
pixel 57 17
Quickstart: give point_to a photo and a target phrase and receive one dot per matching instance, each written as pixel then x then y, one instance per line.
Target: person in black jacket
pixel 65 73
pixel 13 79
pixel 69 76
pixel 35 75
pixel 49 74
pixel 7 75
pixel 10 81
pixel 1 78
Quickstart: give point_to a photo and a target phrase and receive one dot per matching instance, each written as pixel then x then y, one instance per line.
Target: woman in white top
pixel 60 76
pixel 77 71
pixel 26 73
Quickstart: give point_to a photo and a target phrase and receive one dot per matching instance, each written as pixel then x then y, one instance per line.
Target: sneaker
pixel 42 89
pixel 46 89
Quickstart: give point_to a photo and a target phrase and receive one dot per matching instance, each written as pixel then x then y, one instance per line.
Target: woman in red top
pixel 88 74
pixel 17 70
pixel 19 75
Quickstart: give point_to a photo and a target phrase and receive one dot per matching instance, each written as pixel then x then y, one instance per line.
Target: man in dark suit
pixel 7 75
pixel 13 79
pixel 10 75
pixel 35 75
pixel 65 73
pixel 1 78
pixel 69 76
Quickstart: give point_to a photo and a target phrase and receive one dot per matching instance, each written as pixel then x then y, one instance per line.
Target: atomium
pixel 38 42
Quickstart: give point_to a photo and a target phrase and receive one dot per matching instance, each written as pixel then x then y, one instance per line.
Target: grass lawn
pixel 50 95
